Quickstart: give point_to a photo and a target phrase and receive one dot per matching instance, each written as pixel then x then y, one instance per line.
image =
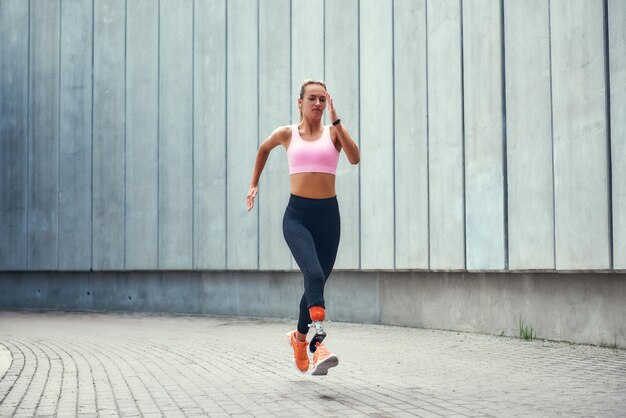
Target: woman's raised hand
pixel 332 113
pixel 254 190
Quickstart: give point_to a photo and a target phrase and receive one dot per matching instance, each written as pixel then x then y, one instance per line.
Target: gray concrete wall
pixel 75 126
pixel 176 113
pixel 43 133
pixel 341 66
pixel 583 308
pixel 446 163
pixel 14 124
pixel 242 133
pixel 581 179
pixel 209 150
pixel 142 135
pixel 376 137
pixel 108 212
pixel 491 132
pixel 410 135
pixel 617 99
pixel 484 136
pixel 529 135
pixel 274 64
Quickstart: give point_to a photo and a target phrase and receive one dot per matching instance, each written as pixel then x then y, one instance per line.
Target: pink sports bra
pixel 319 156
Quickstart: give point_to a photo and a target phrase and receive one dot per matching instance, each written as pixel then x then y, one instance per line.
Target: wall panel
pixel 307 51
pixel 108 135
pixel 275 104
pixel 242 133
pixel 43 138
pixel 341 72
pixel 410 133
pixel 209 152
pixel 307 47
pixel 529 135
pixel 580 135
pixel 445 136
pixel 176 135
pixel 617 68
pixel 75 136
pixel 377 170
pixel 14 133
pixel 142 124
pixel 484 171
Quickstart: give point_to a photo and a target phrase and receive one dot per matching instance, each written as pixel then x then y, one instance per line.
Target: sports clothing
pixel 319 156
pixel 323 360
pixel 300 354
pixel 311 228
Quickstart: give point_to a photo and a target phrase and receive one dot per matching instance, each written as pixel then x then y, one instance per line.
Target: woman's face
pixel 314 101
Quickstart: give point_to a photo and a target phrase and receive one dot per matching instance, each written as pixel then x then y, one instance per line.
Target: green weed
pixel 526 331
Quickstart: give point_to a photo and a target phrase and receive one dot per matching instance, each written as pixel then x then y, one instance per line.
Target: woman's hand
pixel 332 113
pixel 254 190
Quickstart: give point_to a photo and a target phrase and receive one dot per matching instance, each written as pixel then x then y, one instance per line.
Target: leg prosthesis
pixel 318 314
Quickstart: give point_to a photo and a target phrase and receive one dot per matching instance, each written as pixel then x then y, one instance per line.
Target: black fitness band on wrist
pixel 337 122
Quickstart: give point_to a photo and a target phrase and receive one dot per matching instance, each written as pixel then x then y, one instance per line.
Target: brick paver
pixel 88 364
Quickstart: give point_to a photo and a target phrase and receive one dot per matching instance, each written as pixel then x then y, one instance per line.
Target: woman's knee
pixel 314 277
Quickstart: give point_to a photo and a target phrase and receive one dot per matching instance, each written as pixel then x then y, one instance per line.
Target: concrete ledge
pixel 583 308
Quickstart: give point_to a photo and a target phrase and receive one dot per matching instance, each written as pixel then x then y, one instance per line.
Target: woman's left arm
pixel 346 141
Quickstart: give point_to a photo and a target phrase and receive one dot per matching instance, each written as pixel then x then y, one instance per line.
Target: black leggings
pixel 311 228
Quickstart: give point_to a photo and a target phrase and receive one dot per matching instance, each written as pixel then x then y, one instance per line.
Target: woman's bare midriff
pixel 313 185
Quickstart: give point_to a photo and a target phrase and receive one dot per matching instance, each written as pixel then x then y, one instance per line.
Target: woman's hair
pixel 306 83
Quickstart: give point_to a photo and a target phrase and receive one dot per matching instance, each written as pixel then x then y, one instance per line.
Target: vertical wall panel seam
pixel 125 114
pixel 93 48
pixel 28 141
pixel 393 126
pixel 225 172
pixel 552 136
pixel 505 179
pixel 290 58
pixel 359 124
pixel 290 79
pixel 324 51
pixel 27 165
pixel 607 96
pixel 258 115
pixel 463 137
pixel 158 135
pixel 193 132
pixel 59 136
pixel 324 44
pixel 427 139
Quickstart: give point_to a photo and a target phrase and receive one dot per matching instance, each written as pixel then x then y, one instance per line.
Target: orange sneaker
pixel 300 355
pixel 323 360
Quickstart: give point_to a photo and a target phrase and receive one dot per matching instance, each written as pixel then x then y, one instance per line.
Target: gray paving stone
pixel 96 364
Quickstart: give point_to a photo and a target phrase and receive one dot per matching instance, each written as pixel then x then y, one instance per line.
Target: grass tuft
pixel 526 331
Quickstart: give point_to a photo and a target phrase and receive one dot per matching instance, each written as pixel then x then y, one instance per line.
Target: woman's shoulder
pixel 284 131
pixel 283 134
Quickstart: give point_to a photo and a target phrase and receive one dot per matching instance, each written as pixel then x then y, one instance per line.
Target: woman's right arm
pixel 280 136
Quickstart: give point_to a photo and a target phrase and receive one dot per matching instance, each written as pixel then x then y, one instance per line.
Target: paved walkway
pixel 86 364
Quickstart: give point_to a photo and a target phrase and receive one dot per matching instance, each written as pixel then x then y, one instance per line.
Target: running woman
pixel 311 223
